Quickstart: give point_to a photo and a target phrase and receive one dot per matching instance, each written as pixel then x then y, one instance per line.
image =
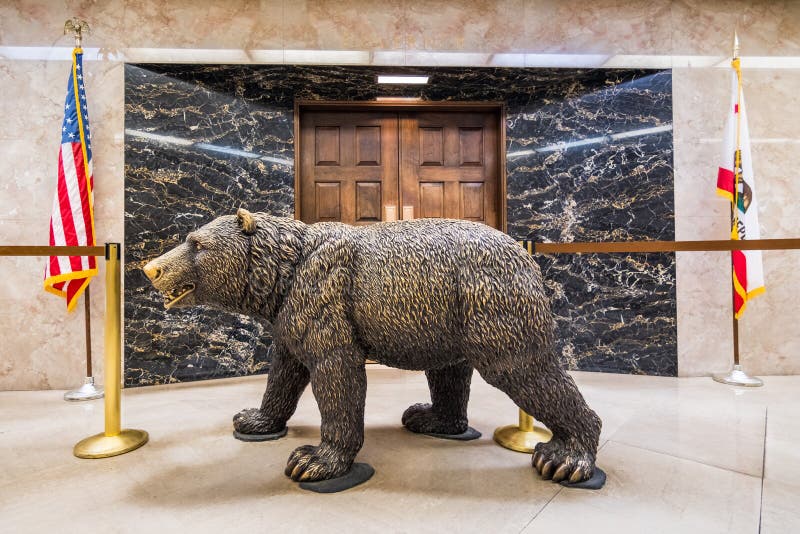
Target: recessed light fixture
pixel 402 79
pixel 398 99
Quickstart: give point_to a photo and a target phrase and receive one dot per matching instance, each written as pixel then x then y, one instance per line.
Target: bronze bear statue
pixel 443 296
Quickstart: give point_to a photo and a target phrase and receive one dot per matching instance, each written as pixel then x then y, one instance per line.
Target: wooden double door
pixel 362 166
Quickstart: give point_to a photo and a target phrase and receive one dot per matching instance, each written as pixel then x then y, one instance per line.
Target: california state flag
pixel 735 181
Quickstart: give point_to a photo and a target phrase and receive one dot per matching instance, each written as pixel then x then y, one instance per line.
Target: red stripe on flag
pixel 80 169
pixel 738 302
pixel 54 267
pixel 725 179
pixel 740 278
pixel 740 267
pixel 72 288
pixel 70 235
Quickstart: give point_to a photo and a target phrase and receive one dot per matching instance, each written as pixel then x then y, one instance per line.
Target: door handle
pixel 390 213
pixel 408 213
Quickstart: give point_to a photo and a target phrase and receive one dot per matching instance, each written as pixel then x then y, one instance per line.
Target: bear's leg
pixel 549 394
pixel 340 387
pixel 286 382
pixel 449 396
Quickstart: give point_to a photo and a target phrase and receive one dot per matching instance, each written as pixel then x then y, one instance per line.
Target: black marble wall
pixel 589 157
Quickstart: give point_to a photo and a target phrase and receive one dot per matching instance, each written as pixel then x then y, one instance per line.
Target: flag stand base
pixel 737 377
pixel 102 446
pixel 88 391
pixel 522 437
pixel 511 437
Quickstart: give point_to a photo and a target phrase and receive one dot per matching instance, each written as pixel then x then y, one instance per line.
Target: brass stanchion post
pixel 113 441
pixel 522 437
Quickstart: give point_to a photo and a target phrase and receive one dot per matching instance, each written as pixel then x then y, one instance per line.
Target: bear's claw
pixel 309 463
pixel 420 418
pixel 254 421
pixel 557 461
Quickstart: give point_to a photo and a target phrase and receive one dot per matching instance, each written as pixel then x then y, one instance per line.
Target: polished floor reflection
pixel 682 455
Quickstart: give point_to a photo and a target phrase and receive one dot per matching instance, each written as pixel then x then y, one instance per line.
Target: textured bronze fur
pixel 442 296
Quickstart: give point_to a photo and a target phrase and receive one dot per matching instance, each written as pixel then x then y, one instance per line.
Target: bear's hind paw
pixel 421 419
pixel 254 421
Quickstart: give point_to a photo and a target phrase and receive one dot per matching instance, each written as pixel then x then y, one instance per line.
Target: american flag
pixel 72 218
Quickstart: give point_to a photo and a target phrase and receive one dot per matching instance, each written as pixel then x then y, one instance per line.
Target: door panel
pixel 431 146
pixel 329 201
pixel 328 145
pixel 449 165
pixel 472 201
pixel 355 165
pixel 348 166
pixel 431 199
pixel 368 145
pixel 470 146
pixel 368 202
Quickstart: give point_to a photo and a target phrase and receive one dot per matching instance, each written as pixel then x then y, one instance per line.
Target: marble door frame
pixel 498 107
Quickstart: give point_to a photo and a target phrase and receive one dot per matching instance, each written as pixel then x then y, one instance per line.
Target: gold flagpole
pixel 737 377
pixel 88 391
pixel 737 174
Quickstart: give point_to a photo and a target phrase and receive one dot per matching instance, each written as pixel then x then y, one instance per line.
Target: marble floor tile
pixel 780 512
pixel 692 418
pixel 682 455
pixel 729 435
pixel 782 461
pixel 655 493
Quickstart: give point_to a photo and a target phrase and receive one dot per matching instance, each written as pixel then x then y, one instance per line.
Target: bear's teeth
pixel 172 298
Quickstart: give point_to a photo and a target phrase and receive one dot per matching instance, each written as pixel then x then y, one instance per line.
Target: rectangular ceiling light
pixel 402 79
pixel 398 99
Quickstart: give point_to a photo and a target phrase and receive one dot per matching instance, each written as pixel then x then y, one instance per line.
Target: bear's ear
pixel 246 221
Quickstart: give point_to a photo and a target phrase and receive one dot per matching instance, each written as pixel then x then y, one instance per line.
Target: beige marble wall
pixel 43 346
pixel 769 333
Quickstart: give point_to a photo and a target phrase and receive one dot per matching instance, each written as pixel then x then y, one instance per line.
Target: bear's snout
pixel 153 271
pixel 168 276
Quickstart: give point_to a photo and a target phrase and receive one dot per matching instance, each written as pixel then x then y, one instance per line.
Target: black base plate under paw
pixel 468 435
pixel 260 437
pixel 358 474
pixel 597 481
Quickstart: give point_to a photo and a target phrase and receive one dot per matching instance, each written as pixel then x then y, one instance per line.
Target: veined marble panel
pixel 194 150
pixel 589 157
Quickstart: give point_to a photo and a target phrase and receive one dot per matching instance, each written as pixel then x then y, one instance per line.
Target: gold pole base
pixel 511 437
pixel 102 446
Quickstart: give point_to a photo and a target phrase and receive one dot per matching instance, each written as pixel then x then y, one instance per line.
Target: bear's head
pixel 242 263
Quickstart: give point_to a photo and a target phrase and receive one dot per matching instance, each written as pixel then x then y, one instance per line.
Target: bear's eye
pixel 198 246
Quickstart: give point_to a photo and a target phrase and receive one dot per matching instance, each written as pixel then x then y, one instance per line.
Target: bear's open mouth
pixel 172 298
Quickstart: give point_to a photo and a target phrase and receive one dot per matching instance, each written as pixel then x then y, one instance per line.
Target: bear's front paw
pixel 559 461
pixel 309 463
pixel 254 421
pixel 420 418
